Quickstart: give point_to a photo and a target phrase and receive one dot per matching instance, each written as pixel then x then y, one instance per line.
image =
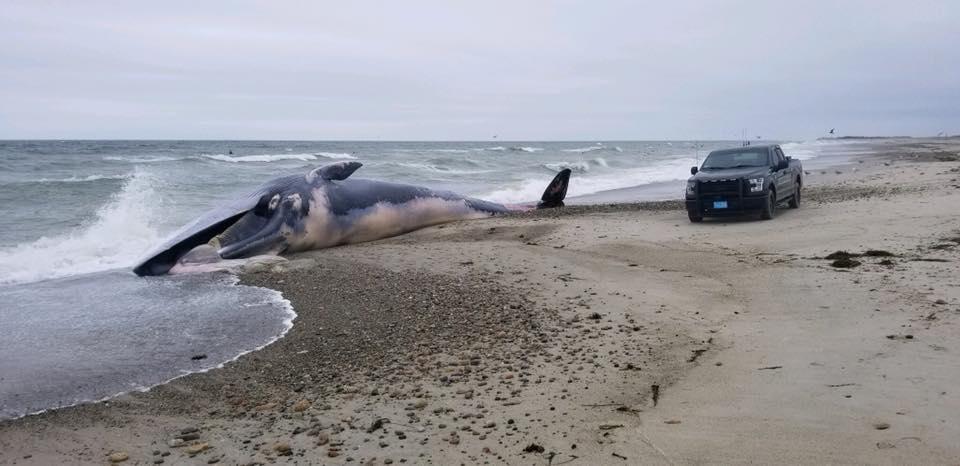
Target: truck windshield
pixel 747 158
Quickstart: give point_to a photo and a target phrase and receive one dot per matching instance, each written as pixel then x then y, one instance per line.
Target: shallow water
pixel 88 337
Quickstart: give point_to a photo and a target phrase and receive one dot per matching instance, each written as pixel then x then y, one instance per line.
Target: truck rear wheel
pixel 770 207
pixel 795 200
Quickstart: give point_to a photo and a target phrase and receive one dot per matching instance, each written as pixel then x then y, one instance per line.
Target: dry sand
pixel 590 335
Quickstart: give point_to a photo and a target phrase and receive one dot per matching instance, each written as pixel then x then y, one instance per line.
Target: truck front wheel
pixel 694 217
pixel 770 207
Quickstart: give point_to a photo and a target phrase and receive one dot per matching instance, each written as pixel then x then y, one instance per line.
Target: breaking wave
pixel 146 159
pixel 582 166
pixel 801 150
pixel 429 167
pixel 529 189
pixel 595 148
pixel 81 179
pixel 120 232
pixel 275 157
pixel 526 149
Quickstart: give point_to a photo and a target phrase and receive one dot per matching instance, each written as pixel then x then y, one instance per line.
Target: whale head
pixel 264 230
pixel 263 222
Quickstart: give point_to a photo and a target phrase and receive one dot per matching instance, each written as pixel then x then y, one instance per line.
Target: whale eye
pixel 266 205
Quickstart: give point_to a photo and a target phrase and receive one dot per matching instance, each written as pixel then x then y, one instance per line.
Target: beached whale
pixel 318 210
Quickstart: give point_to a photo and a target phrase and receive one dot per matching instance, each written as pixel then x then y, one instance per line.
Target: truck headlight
pixel 691 188
pixel 756 185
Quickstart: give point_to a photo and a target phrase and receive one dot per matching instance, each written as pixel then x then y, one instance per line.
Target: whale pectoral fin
pixel 335 171
pixel 556 191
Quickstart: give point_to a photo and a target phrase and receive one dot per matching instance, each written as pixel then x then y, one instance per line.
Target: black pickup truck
pixel 742 180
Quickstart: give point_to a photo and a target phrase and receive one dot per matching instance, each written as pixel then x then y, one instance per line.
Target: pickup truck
pixel 742 180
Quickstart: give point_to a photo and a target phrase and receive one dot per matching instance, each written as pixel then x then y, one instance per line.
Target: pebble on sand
pixel 197 448
pixel 118 456
pixel 265 407
pixel 323 438
pixel 301 406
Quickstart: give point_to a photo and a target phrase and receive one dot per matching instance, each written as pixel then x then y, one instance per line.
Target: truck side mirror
pixel 783 165
pixel 693 170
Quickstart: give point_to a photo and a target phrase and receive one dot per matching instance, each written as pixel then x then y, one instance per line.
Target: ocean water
pixel 77 325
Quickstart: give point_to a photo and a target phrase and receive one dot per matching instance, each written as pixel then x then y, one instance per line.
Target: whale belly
pixel 325 229
pixel 385 219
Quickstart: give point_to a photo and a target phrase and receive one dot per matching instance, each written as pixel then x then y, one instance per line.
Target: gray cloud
pixel 452 70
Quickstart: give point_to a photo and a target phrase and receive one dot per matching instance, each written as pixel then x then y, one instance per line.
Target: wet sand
pixel 610 334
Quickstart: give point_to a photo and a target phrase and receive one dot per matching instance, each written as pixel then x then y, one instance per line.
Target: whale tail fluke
pixel 556 191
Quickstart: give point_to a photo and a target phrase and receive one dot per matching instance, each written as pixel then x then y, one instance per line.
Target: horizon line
pixel 595 141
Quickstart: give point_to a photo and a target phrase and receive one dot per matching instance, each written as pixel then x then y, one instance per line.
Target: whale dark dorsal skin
pixel 321 209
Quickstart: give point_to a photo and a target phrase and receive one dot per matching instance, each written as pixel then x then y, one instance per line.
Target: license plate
pixel 719 204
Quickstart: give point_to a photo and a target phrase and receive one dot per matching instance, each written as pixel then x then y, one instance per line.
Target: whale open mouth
pixel 263 229
pixel 251 235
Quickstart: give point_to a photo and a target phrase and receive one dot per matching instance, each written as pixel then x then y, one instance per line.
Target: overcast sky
pixel 453 70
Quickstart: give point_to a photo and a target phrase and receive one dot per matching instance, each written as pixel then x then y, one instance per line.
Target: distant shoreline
pixel 845 138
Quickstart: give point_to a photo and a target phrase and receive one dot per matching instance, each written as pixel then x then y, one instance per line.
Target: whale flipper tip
pixel 557 190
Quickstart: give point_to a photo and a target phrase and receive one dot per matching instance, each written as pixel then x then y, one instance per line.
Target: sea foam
pixel 122 230
pixel 81 179
pixel 530 189
pixel 277 157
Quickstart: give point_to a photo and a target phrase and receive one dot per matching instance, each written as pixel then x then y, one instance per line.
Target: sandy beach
pixel 606 334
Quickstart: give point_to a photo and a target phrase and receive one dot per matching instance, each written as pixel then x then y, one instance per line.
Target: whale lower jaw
pixel 227 265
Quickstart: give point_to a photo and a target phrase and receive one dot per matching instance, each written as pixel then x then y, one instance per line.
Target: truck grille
pixel 720 188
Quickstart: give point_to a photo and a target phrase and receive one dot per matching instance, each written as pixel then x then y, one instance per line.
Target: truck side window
pixel 779 158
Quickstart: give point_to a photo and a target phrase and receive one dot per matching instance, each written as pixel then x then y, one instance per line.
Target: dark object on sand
pixel 743 180
pixel 844 259
pixel 655 390
pixel 840 255
pixel 376 425
pixel 845 263
pixel 533 448
pixel 198 357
